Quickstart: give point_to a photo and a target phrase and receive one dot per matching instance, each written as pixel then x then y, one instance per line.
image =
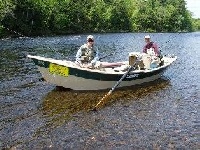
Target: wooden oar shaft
pixel 105 96
pixel 113 88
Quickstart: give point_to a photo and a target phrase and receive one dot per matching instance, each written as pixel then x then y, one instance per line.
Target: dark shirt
pixel 153 46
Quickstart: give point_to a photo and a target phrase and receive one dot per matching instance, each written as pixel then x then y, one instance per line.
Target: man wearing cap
pixel 150 47
pixel 87 55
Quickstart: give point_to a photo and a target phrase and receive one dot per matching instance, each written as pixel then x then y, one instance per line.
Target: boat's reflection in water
pixel 60 105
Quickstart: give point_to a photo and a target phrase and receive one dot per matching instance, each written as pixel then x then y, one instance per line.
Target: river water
pixel 163 114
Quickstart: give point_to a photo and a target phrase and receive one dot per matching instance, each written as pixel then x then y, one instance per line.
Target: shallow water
pixel 163 114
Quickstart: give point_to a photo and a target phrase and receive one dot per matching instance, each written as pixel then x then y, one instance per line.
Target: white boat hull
pixel 79 83
pixel 77 78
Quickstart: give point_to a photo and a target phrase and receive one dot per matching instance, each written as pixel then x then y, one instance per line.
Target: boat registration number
pixel 58 69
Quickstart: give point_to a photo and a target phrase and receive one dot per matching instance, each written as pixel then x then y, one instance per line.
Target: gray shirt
pixel 87 55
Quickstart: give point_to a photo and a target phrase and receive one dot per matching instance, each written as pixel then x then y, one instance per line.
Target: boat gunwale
pixel 67 63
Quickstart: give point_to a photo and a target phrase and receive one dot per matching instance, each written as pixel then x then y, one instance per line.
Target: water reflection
pixel 61 105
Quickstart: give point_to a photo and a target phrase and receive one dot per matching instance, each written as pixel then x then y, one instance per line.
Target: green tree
pixel 43 17
pixel 196 24
pixel 6 8
pixel 119 19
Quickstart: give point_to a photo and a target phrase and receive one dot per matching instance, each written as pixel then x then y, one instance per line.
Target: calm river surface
pixel 160 115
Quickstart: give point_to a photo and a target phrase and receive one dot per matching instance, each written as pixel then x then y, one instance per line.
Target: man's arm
pixel 96 57
pixel 78 55
pixel 144 49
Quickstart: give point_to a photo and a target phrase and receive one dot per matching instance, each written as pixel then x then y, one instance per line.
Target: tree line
pixel 50 17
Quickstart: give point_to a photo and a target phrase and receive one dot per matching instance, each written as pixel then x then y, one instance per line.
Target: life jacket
pixel 88 54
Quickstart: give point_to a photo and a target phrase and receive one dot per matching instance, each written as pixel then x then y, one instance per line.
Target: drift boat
pixel 68 74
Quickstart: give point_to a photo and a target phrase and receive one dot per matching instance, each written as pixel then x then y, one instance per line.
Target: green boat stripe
pixel 100 76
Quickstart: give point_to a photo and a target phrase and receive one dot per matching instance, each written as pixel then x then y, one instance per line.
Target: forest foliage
pixel 50 17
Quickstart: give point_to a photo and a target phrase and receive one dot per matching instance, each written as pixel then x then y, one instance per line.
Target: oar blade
pixel 102 100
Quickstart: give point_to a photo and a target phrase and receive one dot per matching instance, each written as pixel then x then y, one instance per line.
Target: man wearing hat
pixel 87 55
pixel 150 47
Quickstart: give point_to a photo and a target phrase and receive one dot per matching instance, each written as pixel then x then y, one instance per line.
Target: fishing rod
pixel 15 32
pixel 106 56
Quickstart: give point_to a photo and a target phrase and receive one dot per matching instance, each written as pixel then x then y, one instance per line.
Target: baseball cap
pixel 147 37
pixel 90 37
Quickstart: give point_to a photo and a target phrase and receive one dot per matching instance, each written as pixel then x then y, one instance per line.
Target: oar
pixel 113 88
